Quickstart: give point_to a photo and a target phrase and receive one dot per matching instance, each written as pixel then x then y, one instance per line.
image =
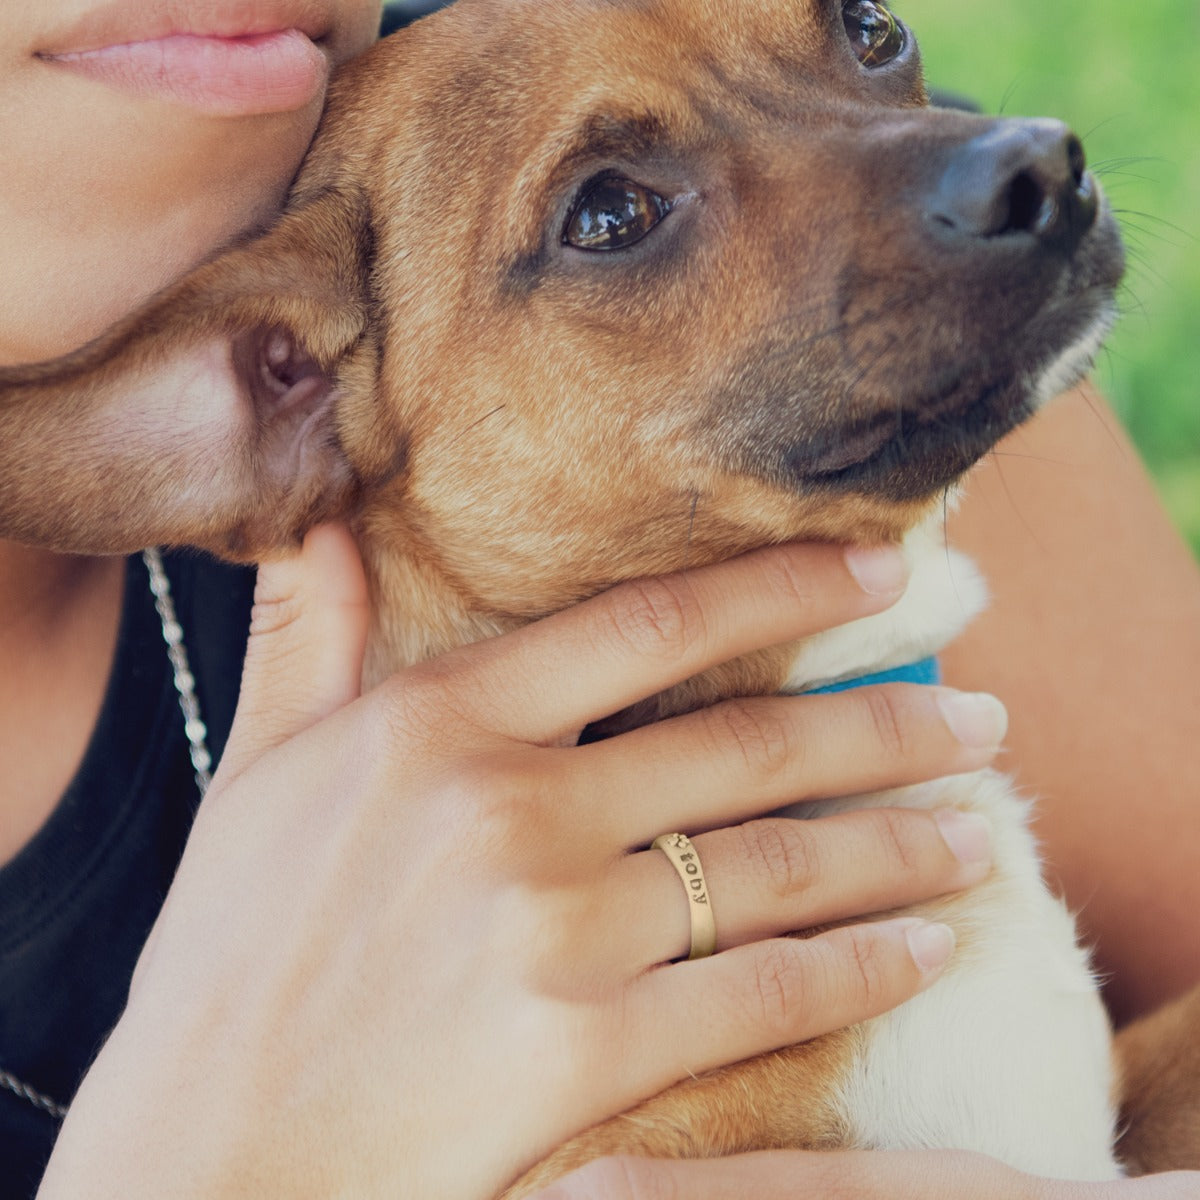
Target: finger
pixel 646 635
pixel 304 659
pixel 789 1174
pixel 745 757
pixel 693 1016
pixel 769 877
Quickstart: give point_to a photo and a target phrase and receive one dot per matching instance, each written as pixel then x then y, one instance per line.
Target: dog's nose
pixel 1020 177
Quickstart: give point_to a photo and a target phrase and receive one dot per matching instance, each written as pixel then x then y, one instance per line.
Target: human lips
pixel 217 58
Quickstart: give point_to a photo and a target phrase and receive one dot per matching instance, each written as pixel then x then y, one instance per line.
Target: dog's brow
pixel 625 136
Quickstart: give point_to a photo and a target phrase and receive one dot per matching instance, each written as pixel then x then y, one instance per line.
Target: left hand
pixel 847 1175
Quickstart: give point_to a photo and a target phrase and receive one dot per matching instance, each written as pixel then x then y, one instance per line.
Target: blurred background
pixel 1125 74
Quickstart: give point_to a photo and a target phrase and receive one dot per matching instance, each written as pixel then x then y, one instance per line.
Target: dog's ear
pixel 209 417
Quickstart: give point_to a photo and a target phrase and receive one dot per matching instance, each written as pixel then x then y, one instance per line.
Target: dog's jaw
pixel 1073 364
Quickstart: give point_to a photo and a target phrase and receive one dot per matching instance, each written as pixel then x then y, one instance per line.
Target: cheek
pixel 105 199
pixel 356 26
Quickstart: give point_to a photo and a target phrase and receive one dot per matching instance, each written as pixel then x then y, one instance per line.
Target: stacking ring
pixel 679 849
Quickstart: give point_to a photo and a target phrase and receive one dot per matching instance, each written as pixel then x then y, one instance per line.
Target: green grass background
pixel 1125 74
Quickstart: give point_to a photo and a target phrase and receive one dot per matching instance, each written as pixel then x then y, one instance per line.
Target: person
pixel 401 921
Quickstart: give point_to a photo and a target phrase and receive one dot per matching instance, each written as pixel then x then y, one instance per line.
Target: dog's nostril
pixel 1016 178
pixel 1029 207
pixel 1076 160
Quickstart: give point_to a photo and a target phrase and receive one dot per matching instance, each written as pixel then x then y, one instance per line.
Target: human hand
pixel 415 935
pixel 862 1174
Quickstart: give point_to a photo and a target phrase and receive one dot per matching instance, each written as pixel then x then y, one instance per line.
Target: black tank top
pixel 77 902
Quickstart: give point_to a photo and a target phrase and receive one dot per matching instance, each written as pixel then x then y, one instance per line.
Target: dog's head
pixel 570 291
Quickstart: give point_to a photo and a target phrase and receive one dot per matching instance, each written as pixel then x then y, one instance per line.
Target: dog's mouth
pixel 907 454
pixel 921 446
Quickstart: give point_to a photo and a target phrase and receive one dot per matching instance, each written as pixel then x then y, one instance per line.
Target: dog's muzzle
pixel 1020 177
pixel 987 255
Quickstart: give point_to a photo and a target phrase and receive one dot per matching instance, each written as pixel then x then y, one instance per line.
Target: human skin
pixel 863 1175
pixel 109 194
pixel 231 1097
pixel 106 196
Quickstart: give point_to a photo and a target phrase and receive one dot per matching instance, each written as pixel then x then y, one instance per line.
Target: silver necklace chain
pixel 197 736
pixel 11 1083
pixel 185 682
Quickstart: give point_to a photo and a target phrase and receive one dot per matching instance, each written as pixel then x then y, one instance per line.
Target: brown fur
pixel 774 1102
pixel 478 397
pixel 1159 1063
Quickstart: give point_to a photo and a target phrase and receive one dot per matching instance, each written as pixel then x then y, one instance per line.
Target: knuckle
pixel 886 720
pixel 789 857
pixel 791 582
pixel 865 969
pixel 778 990
pixel 500 807
pixel 762 740
pixel 490 806
pixel 658 616
pixel 274 613
pixel 414 710
pixel 540 933
pixel 430 706
pixel 894 829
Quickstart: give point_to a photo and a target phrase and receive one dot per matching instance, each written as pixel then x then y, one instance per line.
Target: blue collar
pixel 925 671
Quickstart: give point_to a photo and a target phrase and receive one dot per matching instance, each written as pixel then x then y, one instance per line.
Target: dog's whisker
pixel 1083 392
pixel 1125 213
pixel 1103 165
pixel 958 594
pixel 487 416
pixel 1009 92
pixel 687 547
pixel 997 457
pixel 1094 129
pixel 1129 305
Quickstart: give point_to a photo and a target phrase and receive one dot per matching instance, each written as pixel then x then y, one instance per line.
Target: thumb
pixel 304 660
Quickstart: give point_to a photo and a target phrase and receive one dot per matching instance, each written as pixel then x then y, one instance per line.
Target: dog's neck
pixel 945 592
pixel 419 615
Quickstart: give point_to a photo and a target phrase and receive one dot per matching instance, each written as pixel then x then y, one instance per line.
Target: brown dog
pixel 573 291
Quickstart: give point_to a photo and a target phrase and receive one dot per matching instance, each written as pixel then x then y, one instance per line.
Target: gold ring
pixel 679 849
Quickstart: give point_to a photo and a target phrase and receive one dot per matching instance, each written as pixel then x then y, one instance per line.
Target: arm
pixel 1093 642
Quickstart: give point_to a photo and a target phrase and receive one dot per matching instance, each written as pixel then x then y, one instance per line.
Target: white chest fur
pixel 1009 1053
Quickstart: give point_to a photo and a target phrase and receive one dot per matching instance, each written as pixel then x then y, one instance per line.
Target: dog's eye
pixel 613 213
pixel 876 37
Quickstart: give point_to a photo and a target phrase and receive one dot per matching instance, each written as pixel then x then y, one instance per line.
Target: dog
pixel 575 291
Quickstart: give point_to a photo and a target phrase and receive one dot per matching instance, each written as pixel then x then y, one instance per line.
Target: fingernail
pixel 879 570
pixel 930 944
pixel 977 719
pixel 968 834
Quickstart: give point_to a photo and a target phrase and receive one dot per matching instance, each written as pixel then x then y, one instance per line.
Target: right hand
pixel 416 939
